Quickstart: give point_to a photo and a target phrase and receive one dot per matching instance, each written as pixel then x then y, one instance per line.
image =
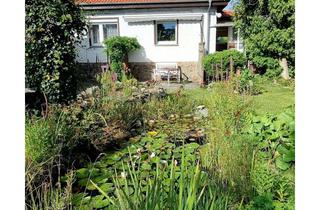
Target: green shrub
pixel 268 31
pixel 264 178
pixel 117 48
pixel 273 169
pixel 52 30
pixel 44 138
pixel 262 202
pixel 239 61
pixel 247 83
pixel 275 137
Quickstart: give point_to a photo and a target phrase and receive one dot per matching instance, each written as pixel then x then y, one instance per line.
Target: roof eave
pixel 167 4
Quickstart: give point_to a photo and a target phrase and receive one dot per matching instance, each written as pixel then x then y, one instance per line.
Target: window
pixel 236 39
pixel 222 38
pixel 166 33
pixel 100 32
pixel 110 30
pixel 95 35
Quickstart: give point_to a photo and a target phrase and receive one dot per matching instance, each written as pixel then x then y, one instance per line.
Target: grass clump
pixel 229 152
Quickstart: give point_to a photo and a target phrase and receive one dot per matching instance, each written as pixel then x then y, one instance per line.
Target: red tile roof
pixel 115 1
pixel 128 1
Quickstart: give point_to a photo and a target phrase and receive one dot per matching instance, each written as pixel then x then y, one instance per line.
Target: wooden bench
pixel 167 70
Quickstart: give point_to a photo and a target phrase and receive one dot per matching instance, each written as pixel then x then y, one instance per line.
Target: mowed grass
pixel 274 99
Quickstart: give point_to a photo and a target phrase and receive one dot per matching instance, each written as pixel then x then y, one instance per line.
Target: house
pixel 179 31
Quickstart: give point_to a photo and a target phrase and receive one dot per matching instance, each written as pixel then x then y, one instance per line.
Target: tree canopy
pixel 267 27
pixel 53 27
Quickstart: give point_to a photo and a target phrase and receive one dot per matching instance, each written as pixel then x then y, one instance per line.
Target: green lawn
pixel 274 99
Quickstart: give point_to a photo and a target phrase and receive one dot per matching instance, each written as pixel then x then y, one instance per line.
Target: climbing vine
pixel 53 28
pixel 117 48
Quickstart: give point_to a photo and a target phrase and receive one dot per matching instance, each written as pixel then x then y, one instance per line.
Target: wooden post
pixel 217 73
pixel 213 72
pixel 231 65
pixel 221 73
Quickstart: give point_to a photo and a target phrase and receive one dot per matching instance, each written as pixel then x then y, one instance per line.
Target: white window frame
pixel 91 35
pixel 175 42
pixel 101 35
pixel 238 41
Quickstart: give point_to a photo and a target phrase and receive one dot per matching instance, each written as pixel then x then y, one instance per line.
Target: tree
pixel 267 27
pixel 53 27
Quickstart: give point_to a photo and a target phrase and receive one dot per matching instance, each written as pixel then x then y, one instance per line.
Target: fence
pixel 220 73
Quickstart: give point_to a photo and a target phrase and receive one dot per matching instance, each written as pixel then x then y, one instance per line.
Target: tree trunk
pixel 285 70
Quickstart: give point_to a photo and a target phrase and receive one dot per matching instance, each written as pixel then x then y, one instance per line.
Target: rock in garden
pixel 151 123
pixel 201 112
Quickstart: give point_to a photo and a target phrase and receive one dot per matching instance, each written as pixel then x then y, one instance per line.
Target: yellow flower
pixel 152 133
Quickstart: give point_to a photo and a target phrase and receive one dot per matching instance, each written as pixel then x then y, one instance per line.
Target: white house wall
pixel 189 37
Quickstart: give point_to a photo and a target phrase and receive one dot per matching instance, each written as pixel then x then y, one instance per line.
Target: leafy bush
pixel 272 171
pixel 268 30
pixel 247 83
pixel 239 61
pixel 52 30
pixel 45 138
pixel 262 202
pixel 275 137
pixel 117 48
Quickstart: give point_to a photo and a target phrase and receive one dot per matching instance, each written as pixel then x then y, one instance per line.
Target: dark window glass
pixel 110 30
pixel 95 34
pixel 166 31
pixel 222 39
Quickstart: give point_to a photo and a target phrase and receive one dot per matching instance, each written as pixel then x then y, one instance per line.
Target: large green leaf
pixel 282 164
pixel 289 157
